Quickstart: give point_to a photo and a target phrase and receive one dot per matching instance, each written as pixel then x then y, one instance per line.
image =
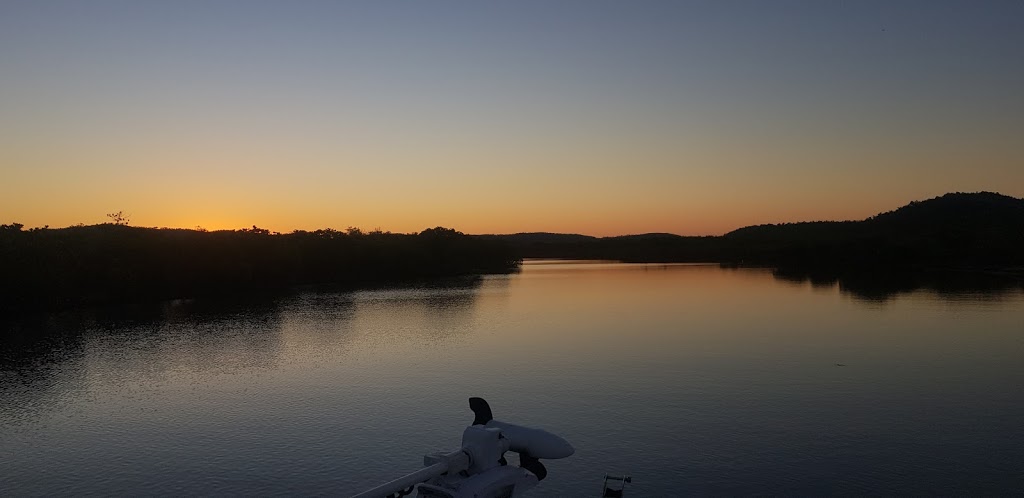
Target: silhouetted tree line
pixel 654 247
pixel 977 231
pixel 114 263
pixel 980 231
pixel 52 268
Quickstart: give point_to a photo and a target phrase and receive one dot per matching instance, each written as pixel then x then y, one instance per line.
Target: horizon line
pixel 200 228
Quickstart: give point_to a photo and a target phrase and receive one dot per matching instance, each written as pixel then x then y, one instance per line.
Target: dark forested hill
pixel 959 230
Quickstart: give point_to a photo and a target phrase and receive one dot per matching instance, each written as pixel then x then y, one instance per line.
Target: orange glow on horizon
pixel 601 224
pixel 685 118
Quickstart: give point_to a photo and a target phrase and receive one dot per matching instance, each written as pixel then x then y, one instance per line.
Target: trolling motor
pixel 479 468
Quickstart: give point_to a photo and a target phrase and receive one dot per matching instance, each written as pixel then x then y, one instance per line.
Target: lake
pixel 693 379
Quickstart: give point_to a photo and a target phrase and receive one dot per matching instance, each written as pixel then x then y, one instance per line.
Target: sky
pixel 594 117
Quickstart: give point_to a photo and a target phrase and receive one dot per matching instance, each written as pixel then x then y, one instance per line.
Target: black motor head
pixel 481 410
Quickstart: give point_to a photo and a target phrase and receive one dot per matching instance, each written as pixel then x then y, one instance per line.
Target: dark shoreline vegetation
pixel 959 242
pixel 955 242
pixel 107 264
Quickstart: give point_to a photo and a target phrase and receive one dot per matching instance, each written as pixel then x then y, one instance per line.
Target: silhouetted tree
pixel 119 218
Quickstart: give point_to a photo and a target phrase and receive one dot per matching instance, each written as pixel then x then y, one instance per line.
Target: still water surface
pixel 692 379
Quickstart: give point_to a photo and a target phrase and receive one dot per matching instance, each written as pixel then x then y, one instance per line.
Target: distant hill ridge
pixel 984 207
pixel 962 230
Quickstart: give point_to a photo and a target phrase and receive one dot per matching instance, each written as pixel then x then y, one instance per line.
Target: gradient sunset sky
pixel 595 117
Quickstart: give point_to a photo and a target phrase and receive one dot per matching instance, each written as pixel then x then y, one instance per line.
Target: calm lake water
pixel 692 379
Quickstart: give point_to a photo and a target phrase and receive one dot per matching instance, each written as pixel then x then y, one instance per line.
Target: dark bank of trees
pixel 116 263
pixel 976 231
pixel 111 263
pixel 652 247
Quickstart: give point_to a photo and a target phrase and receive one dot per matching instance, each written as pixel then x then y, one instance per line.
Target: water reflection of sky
pixel 689 377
